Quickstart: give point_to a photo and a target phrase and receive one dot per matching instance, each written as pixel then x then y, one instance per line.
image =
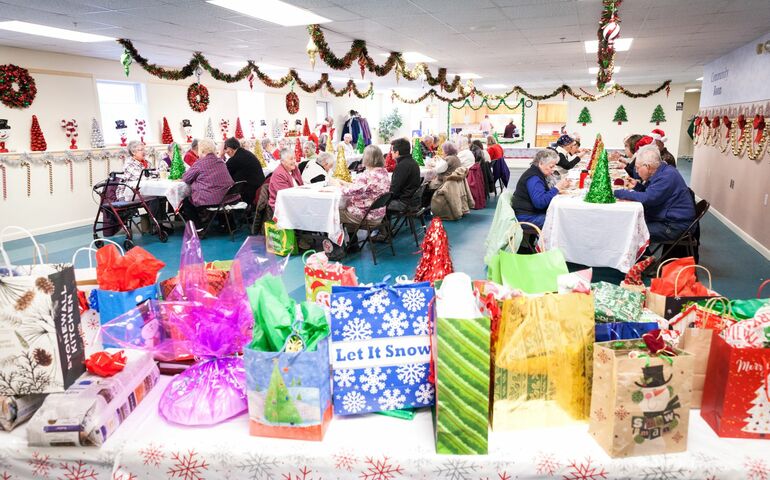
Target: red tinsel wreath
pixel 12 97
pixel 198 97
pixel 292 103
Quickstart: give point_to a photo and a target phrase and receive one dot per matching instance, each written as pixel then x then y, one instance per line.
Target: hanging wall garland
pixel 198 97
pixel 17 87
pixel 741 136
pixel 485 102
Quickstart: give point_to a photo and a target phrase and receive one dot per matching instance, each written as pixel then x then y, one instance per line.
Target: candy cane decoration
pixel 90 171
pixel 5 182
pixel 72 177
pixel 49 164
pixel 71 131
pixel 140 126
pixel 252 127
pixel 224 125
pixel 28 166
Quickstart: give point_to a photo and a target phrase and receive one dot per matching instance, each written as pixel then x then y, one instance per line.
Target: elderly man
pixel 209 182
pixel 406 177
pixel 347 145
pixel 659 136
pixel 668 204
pixel 244 166
pixel 318 169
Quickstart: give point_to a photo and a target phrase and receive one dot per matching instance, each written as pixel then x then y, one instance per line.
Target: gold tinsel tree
pixel 259 153
pixel 329 146
pixel 341 167
pixel 441 141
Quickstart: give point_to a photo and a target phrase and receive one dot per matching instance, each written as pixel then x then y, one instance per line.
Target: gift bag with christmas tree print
pixel 640 404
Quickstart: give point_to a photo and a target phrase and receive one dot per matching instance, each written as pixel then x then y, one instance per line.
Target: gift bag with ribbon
pixel 641 397
pixel 86 278
pixel 460 367
pixel 380 349
pixel 707 315
pixel 536 273
pixel 280 241
pixel 616 304
pixel 543 361
pixel 41 350
pixel 676 286
pixel 287 365
pixel 321 275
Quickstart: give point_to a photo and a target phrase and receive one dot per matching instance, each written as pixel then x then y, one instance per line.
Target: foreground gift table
pixel 313 208
pixel 371 447
pixel 597 235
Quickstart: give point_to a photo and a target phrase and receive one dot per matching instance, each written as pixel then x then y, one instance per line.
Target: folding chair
pixel 411 214
pixel 689 239
pixel 370 226
pixel 226 209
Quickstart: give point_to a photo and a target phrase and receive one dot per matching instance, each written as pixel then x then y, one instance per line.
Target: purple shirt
pixel 209 180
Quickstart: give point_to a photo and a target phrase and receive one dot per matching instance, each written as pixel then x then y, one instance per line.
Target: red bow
pixel 105 364
pixel 655 343
pixel 759 126
pixel 715 122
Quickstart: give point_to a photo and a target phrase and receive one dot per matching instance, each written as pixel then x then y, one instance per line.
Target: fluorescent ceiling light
pixel 413 57
pixel 692 90
pixel 273 11
pixel 621 45
pixel 595 70
pixel 52 32
pixel 699 79
pixel 494 85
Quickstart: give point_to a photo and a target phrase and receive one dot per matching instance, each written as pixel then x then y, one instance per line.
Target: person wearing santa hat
pixel 660 139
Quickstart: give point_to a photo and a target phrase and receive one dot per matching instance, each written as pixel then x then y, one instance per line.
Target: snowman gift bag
pixel 640 403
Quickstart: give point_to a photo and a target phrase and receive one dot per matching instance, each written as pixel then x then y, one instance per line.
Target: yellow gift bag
pixel 543 361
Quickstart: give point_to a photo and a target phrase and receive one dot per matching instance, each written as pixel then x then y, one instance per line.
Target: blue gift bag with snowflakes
pixel 380 351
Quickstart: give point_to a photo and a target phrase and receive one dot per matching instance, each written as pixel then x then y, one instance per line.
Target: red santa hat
pixel 659 134
pixel 645 140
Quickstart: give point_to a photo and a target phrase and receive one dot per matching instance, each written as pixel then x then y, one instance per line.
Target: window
pixel 251 108
pixel 125 101
pixel 323 109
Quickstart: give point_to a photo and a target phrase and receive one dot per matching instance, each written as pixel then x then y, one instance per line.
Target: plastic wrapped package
pixel 93 408
pixel 15 410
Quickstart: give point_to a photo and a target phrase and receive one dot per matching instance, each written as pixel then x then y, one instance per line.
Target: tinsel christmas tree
pixel 595 152
pixel 259 153
pixel 166 138
pixel 209 130
pixel 238 129
pixel 360 144
pixel 620 115
pixel 658 115
pixel 177 164
pixel 297 150
pixel 37 139
pixel 329 146
pixel 584 117
pixel 436 263
pixel 439 147
pixel 279 406
pixel 417 152
pixel 277 130
pixel 306 129
pixel 601 184
pixel 341 166
pixel 97 139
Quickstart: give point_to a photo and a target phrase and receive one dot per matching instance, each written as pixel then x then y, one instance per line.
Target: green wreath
pixel 24 95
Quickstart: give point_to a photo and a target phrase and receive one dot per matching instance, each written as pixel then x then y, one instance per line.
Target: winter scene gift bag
pixel 640 404
pixel 380 351
pixel 321 275
pixel 41 350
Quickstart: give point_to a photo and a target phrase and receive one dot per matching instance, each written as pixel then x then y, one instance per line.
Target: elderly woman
pixel 467 159
pixel 453 198
pixel 532 195
pixel 373 182
pixel 668 204
pixel 347 145
pixel 286 175
pixel 308 150
pixel 427 146
pixel 209 181
pixel 132 169
pixel 277 151
pixel 267 149
pixel 446 167
pixel 318 169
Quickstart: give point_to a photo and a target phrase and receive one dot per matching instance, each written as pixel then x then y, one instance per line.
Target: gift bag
pixel 677 286
pixel 86 277
pixel 505 231
pixel 623 330
pixel 543 361
pixel 321 275
pixel 640 401
pixel 279 241
pixel 616 304
pixel 697 342
pixel 705 315
pixel 111 304
pixel 460 360
pixel 736 395
pixel 41 350
pixel 380 350
pixel 536 273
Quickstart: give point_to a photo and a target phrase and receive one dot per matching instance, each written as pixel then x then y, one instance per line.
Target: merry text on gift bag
pixel 380 350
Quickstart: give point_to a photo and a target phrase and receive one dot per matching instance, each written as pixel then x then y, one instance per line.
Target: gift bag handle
pixel 84 249
pixel 512 235
pixel 676 280
pixel 28 234
pixel 660 266
pixel 728 309
pixel 304 256
pixel 761 286
pixel 106 240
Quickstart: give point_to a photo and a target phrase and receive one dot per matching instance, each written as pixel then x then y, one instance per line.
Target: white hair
pixel 266 142
pixel 132 145
pixel 648 155
pixel 206 146
pixel 346 136
pixel 544 157
pixel 325 158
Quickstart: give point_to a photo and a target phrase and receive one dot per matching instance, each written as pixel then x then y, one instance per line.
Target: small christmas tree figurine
pixel 360 144
pixel 758 420
pixel 209 133
pixel 601 185
pixel 37 139
pixel 341 166
pixel 439 147
pixel 259 153
pixel 279 406
pixel 177 165
pixel 435 263
pixel 166 137
pixel 597 150
pixel 658 115
pixel 97 139
pixel 620 115
pixel 417 152
pixel 306 129
pixel 297 150
pixel 238 129
pixel 584 117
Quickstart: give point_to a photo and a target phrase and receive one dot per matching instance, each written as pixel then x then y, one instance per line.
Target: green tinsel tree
pixel 620 115
pixel 360 145
pixel 279 406
pixel 585 116
pixel 658 115
pixel 177 165
pixel 417 152
pixel 601 184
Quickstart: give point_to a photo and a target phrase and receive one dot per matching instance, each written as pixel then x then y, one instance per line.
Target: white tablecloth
pixel 598 235
pixel 370 447
pixel 313 208
pixel 174 190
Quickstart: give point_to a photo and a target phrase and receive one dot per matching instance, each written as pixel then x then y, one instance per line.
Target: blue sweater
pixel 539 193
pixel 665 197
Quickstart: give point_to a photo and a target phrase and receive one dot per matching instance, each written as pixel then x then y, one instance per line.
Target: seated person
pixel 166 165
pixel 668 204
pixel 277 151
pixel 566 148
pixel 318 169
pixel 373 182
pixel 447 167
pixel 453 197
pixel 286 175
pixel 494 149
pixel 133 167
pixel 632 144
pixel 406 177
pixel 244 166
pixel 660 139
pixel 532 195
pixel 192 154
pixel 308 150
pixel 209 182
pixel 427 146
pixel 467 159
pixel 347 145
pixel 267 150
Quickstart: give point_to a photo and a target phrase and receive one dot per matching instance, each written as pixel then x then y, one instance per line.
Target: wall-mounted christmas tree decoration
pixel 120 126
pixel 306 129
pixel 600 190
pixel 187 129
pixel 71 132
pixel 584 117
pixel 341 170
pixel 177 164
pixel 166 137
pixel 209 130
pixel 224 126
pixel 37 139
pixel 620 115
pixel 417 152
pixel 297 150
pixel 97 138
pixel 238 129
pixel 141 126
pixel 5 134
pixel 658 115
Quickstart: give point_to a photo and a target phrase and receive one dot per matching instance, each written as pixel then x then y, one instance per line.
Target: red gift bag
pixel 736 395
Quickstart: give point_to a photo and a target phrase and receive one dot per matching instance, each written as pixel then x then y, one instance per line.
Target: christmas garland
pixel 741 137
pixel 467 103
pixel 609 30
pixel 198 97
pixel 25 95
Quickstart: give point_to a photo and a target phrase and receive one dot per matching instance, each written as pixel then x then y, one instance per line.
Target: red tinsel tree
pixel 37 140
pixel 306 129
pixel 238 129
pixel 435 263
pixel 166 137
pixel 297 150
